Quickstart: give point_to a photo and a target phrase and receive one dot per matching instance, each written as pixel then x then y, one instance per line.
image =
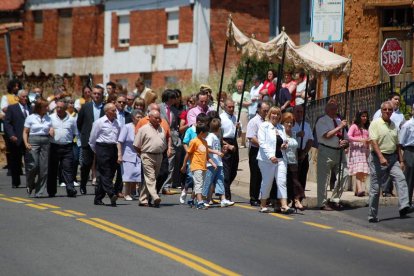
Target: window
pixel 65 33
pixel 123 30
pixel 397 17
pixel 38 24
pixel 170 80
pixel 172 26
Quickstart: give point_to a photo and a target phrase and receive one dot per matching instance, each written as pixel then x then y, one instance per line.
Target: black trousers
pixel 15 159
pixel 163 174
pixel 106 164
pixel 119 184
pixel 255 174
pixel 230 165
pixel 303 171
pixel 87 160
pixel 60 162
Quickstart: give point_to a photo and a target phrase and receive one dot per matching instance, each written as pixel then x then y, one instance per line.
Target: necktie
pixel 24 111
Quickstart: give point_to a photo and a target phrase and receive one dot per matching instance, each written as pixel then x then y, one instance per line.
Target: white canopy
pixel 310 56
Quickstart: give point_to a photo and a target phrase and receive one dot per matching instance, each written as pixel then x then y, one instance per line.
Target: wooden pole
pixel 304 108
pixel 280 72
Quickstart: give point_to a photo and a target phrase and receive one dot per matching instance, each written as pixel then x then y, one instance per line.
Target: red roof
pixel 10 5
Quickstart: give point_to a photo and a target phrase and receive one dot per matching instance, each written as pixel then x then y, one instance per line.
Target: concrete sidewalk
pixel 240 187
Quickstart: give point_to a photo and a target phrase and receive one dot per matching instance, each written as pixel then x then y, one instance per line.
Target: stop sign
pixel 392 56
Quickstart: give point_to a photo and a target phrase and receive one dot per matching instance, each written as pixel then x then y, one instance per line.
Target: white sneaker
pixel 206 204
pixel 62 184
pixel 183 196
pixel 76 184
pixel 226 203
pixel 128 197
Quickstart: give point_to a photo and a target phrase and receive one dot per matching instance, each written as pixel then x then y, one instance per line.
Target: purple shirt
pixel 193 112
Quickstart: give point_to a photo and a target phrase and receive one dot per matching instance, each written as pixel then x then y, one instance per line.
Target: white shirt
pixel 267 141
pixel 253 127
pixel 4 102
pixel 38 125
pixel 299 89
pixel 308 133
pixel 406 135
pixel 213 142
pixel 228 125
pixel 104 131
pixel 64 129
pixel 24 109
pixel 324 125
pixel 120 116
pixel 397 117
pixel 254 94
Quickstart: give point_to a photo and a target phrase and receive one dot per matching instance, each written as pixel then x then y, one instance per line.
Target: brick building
pixel 11 11
pixel 181 40
pixel 64 38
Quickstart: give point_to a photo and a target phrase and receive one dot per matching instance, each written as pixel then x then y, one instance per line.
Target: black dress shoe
pixel 52 195
pixel 98 202
pixel 405 211
pixel 373 220
pixel 15 186
pixel 83 190
pixel 113 198
pixel 72 193
pixel 254 203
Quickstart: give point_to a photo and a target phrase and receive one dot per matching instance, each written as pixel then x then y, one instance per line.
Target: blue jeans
pixel 214 176
pixel 189 179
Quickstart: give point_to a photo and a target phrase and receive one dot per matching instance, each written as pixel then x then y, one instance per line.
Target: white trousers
pixel 272 171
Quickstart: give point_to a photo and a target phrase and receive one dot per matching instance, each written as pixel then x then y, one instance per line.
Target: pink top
pixel 355 134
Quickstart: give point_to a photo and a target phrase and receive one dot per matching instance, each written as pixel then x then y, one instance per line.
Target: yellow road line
pixel 75 213
pixel 151 247
pixel 63 214
pixel 22 199
pixel 391 244
pixel 220 269
pixel 1 195
pixel 36 206
pixel 281 216
pixel 11 200
pixel 317 225
pixel 245 206
pixel 49 206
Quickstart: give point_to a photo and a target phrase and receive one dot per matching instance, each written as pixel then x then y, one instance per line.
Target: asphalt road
pixel 178 240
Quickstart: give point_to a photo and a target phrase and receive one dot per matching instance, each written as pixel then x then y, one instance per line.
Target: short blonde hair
pixel 287 116
pixel 272 110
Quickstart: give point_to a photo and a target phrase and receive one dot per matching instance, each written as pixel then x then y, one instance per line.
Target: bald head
pixel 153 106
pixel 154 118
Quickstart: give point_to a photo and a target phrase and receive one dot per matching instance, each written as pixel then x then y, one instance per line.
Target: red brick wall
pixel 87 35
pixel 48 44
pixel 252 17
pixel 186 24
pixel 158 78
pixel 148 27
pixel 290 18
pixel 131 77
pixel 88 31
pixel 16 38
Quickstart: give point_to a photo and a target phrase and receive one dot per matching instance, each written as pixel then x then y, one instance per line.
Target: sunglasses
pixel 121 102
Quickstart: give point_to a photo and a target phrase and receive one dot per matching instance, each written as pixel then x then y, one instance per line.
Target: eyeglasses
pixel 121 102
pixel 130 99
pixel 190 102
pixel 387 109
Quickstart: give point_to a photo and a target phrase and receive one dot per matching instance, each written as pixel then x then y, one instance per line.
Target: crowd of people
pixel 132 147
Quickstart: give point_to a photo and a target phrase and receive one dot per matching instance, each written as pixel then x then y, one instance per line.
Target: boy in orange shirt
pixel 198 154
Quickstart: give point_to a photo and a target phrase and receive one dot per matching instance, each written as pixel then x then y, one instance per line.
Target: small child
pixel 215 175
pixel 198 154
pixel 190 134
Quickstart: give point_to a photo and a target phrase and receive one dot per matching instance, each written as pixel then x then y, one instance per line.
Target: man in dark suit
pixel 123 118
pixel 89 113
pixel 169 171
pixel 13 126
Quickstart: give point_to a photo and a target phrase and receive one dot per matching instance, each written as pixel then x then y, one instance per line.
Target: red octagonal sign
pixel 392 56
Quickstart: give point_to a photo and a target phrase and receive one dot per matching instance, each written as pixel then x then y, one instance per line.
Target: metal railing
pixel 367 98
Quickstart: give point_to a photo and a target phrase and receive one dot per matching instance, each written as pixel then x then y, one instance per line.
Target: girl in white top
pixel 295 190
pixel 272 159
